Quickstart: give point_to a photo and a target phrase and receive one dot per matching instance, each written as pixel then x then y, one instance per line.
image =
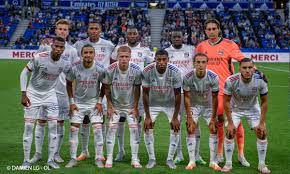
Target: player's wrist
pixel 71 101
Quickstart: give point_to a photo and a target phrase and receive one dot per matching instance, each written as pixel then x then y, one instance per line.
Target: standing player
pixel 161 94
pixel 70 53
pixel 220 52
pixel 200 99
pixel 88 75
pixel 241 100
pixel 103 49
pixel 123 81
pixel 40 100
pixel 139 55
pixel 181 56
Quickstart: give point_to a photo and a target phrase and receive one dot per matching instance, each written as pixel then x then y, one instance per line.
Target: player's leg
pixel 174 138
pixel 179 155
pixel 220 133
pixel 110 139
pixel 51 111
pixel 191 139
pixel 39 136
pixel 85 133
pixel 30 114
pixel 120 135
pixel 262 143
pixel 149 138
pixel 198 158
pixel 134 140
pixel 230 143
pixel 212 140
pixel 76 121
pixel 97 120
pixel 240 143
pixel 104 125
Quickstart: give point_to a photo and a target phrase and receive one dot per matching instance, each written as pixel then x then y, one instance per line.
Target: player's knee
pixel 86 120
pixel 262 135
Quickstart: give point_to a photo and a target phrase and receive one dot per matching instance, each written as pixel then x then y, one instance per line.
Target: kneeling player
pixel 161 94
pixel 200 98
pixel 123 97
pixel 88 76
pixel 241 100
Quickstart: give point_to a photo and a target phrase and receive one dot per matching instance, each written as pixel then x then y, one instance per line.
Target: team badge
pixel 103 49
pixel 186 54
pixel 139 54
pixel 221 53
pixel 131 78
pixel 254 89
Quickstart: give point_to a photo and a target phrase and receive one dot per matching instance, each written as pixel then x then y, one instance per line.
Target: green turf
pixel 278 125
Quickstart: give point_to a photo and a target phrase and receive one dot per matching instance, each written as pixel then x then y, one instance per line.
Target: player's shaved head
pixel 246 60
pixel 161 52
pixel 124 49
pixel 87 46
pixel 200 55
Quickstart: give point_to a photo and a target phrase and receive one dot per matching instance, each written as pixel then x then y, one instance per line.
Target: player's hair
pixel 60 39
pixel 63 22
pixel 199 54
pixel 132 28
pixel 95 22
pixel 177 30
pixel 124 49
pixel 86 46
pixel 212 20
pixel 246 59
pixel 161 52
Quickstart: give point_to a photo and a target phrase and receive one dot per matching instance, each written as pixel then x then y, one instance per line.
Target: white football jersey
pixel 45 72
pixel 201 89
pixel 182 58
pixel 88 82
pixel 139 55
pixel 161 85
pixel 123 83
pixel 103 50
pixel 70 53
pixel 245 95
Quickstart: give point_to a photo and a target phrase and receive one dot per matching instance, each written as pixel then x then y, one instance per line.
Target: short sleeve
pixel 114 54
pixel 263 88
pixel 185 85
pixel 145 79
pixel 215 84
pixel 227 88
pixel 149 56
pixel 177 81
pixel 32 64
pixel 236 52
pixel 70 76
pixel 107 77
pixel 138 78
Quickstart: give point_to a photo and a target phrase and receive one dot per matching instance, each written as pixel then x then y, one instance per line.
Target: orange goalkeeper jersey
pixel 220 58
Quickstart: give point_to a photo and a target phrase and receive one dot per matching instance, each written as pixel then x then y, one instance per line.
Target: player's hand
pixel 148 124
pixel 212 126
pixel 46 41
pixel 25 101
pixel 230 130
pixel 111 112
pixel 175 124
pixel 99 107
pixel 134 112
pixel 261 130
pixel 190 125
pixel 72 109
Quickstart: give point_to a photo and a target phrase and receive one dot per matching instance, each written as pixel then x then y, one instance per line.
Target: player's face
pixel 212 31
pixel 57 48
pixel 247 70
pixel 62 30
pixel 94 31
pixel 132 36
pixel 124 58
pixel 161 63
pixel 200 64
pixel 176 38
pixel 88 54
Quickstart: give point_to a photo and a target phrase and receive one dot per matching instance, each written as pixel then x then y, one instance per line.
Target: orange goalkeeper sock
pixel 220 138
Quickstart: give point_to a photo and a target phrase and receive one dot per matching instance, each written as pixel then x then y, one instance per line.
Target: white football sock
pixel 60 135
pixel 174 138
pixel 213 148
pixel 121 132
pixel 85 137
pixel 39 136
pixel 74 141
pixel 179 153
pixel 27 139
pixel 191 142
pixel 98 140
pixel 262 150
pixel 229 146
pixel 197 142
pixel 149 143
pixel 52 132
pixel 134 141
pixel 110 140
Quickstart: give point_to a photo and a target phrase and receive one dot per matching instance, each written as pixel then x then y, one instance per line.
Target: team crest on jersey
pixel 221 52
pixel 131 78
pixel 103 49
pixel 60 69
pixel 254 89
pixel 186 54
pixel 96 75
pixel 139 54
pixel 168 79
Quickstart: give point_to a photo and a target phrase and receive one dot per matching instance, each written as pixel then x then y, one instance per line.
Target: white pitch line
pixel 279 86
pixel 275 69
